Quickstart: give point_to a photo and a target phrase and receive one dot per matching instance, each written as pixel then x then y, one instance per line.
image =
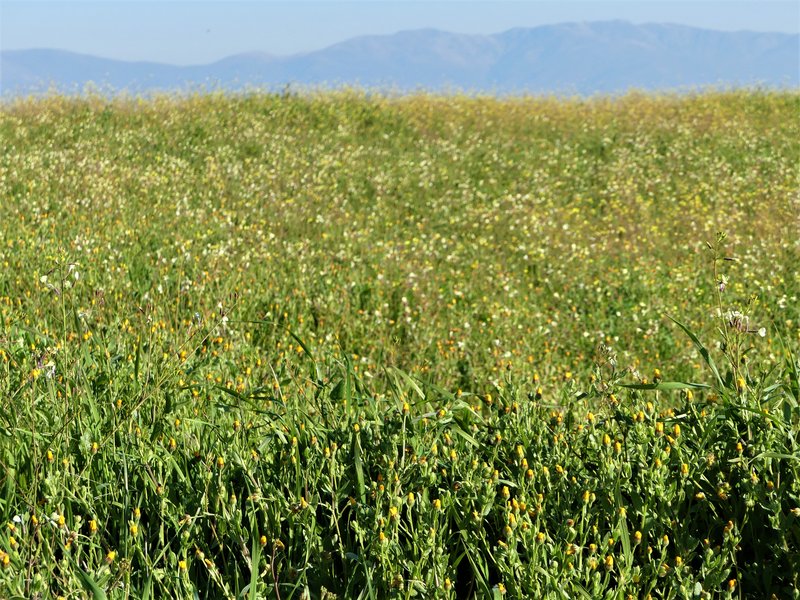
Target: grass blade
pixel 666 385
pixel 91 585
pixel 703 351
pixel 255 560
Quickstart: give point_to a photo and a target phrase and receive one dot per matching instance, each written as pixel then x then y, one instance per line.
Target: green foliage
pixel 341 346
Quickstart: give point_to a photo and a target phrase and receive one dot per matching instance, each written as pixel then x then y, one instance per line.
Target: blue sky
pixel 192 32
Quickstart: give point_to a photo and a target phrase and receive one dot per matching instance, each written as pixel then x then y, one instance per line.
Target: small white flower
pixel 762 332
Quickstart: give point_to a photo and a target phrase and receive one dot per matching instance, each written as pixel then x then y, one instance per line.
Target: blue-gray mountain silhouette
pixel 582 58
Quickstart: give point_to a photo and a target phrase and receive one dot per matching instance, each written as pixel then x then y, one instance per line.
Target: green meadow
pixel 342 345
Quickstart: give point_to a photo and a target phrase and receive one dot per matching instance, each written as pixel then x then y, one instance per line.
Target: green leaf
pixel 148 588
pixel 624 534
pixel 296 338
pixel 479 567
pixel 410 381
pixel 467 437
pixel 702 349
pixel 138 360
pixel 577 587
pixel 359 465
pixel 666 385
pixel 255 559
pixel 91 585
pixel 780 455
pixel 228 391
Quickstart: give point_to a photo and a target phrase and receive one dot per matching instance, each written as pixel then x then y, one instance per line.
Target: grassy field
pixel 349 346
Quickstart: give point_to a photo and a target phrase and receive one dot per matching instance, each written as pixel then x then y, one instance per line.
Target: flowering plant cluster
pixel 354 346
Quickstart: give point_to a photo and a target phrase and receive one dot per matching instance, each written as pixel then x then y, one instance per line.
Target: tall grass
pixel 343 346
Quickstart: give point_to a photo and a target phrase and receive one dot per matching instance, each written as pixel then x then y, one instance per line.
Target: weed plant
pixel 350 346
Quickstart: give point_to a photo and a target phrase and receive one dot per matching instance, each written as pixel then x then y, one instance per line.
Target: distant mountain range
pixel 572 58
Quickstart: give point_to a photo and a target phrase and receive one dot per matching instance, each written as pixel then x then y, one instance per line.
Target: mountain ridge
pixel 577 57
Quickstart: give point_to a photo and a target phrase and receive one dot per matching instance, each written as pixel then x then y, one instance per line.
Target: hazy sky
pixel 188 31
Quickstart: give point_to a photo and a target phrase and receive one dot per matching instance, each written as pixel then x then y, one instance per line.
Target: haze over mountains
pixel 582 58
